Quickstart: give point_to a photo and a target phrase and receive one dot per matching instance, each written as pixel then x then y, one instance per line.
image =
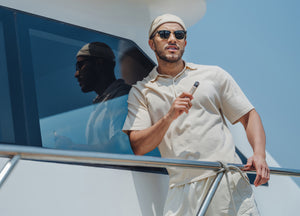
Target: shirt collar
pixel 154 74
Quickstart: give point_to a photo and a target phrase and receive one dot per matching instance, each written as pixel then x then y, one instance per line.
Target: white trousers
pixel 185 200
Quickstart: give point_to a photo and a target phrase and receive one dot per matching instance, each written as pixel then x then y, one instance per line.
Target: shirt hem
pixel 132 129
pixel 241 114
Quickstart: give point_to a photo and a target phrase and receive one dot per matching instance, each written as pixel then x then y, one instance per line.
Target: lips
pixel 172 47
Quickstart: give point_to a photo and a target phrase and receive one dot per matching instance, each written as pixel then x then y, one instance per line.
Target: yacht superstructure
pixel 44 114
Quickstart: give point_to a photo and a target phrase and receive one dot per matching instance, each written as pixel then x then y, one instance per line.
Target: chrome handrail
pixel 69 156
pixel 54 155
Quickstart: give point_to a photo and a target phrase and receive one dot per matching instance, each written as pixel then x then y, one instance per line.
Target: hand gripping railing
pixel 67 156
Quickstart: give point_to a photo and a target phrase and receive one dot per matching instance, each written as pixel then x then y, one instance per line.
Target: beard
pixel 170 58
pixel 87 78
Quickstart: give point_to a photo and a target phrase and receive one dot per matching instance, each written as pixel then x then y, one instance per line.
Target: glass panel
pixel 6 121
pixel 68 117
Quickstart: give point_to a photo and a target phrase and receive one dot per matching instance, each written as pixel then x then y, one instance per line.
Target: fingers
pixel 186 95
pixel 181 104
pixel 262 172
pixel 258 178
pixel 262 176
pixel 184 101
pixel 249 165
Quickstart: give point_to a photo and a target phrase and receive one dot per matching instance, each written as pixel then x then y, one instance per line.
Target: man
pixel 162 113
pixel 95 72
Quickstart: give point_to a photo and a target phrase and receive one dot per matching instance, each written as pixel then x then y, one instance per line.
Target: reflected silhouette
pixel 95 72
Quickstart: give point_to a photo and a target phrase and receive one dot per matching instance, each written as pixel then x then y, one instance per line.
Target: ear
pixel 185 42
pixel 151 44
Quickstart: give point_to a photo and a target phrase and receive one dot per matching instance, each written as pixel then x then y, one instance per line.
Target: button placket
pixel 173 86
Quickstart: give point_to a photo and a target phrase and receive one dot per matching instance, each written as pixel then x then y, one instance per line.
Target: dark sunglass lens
pixel 80 64
pixel 167 34
pixel 179 34
pixel 164 34
pixel 161 34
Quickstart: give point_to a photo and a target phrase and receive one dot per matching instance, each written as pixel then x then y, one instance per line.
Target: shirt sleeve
pixel 234 103
pixel 138 117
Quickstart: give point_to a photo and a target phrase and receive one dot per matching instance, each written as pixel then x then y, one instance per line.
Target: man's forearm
pixel 257 139
pixel 256 134
pixel 144 141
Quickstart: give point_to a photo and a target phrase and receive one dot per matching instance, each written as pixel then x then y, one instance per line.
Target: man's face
pixel 171 49
pixel 86 73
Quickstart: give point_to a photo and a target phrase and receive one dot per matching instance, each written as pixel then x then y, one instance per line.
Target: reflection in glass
pixel 92 128
pixel 134 65
pixel 95 72
pixel 71 118
pixel 41 102
pixel 6 121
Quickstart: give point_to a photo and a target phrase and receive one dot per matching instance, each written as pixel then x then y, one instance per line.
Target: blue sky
pixel 258 43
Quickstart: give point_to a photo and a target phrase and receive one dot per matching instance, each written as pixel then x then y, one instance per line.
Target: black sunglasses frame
pixel 165 34
pixel 80 64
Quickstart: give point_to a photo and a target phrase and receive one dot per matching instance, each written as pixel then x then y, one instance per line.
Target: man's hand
pixel 257 139
pixel 181 104
pixel 259 164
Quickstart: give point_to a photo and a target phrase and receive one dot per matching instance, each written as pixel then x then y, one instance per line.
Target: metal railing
pixel 67 156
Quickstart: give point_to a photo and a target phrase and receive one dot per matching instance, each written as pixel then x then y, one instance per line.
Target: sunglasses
pixel 80 64
pixel 165 34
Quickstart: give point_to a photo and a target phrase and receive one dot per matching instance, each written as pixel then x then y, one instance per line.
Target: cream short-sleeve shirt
pixel 202 134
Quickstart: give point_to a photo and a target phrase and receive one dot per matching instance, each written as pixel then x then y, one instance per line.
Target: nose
pixel 172 38
pixel 76 75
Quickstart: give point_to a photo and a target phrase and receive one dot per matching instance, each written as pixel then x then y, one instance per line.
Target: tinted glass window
pixel 56 110
pixel 6 122
pixel 68 117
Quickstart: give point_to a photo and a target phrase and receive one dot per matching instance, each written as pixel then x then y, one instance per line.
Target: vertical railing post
pixel 210 194
pixel 8 167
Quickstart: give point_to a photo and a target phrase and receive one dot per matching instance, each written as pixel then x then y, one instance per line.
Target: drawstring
pixel 226 168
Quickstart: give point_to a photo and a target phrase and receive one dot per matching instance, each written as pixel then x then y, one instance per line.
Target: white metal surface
pixel 125 18
pixel 40 188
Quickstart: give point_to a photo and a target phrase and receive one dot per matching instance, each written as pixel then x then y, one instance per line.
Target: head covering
pixel 97 49
pixel 165 18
